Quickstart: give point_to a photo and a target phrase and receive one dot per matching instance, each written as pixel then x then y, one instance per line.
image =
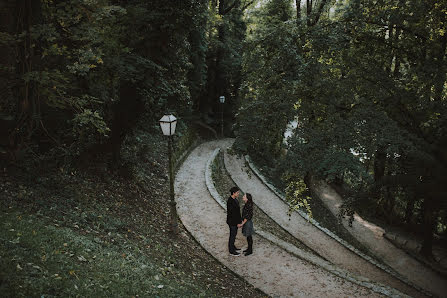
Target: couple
pixel 235 221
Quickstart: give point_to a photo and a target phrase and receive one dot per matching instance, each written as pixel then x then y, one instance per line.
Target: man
pixel 233 219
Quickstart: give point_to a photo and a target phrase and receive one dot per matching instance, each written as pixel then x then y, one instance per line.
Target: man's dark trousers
pixel 233 219
pixel 233 233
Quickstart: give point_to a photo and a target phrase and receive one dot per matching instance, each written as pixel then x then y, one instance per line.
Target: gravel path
pixel 314 238
pixel 372 237
pixel 270 268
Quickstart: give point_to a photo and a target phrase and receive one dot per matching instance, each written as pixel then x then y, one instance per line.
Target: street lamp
pixel 222 100
pixel 168 124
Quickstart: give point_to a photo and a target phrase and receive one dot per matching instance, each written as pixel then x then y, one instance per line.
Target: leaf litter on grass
pixel 75 230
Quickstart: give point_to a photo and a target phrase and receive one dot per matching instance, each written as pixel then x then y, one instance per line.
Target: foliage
pixel 298 195
pixel 268 82
pixel 226 33
pixel 366 82
pixel 91 70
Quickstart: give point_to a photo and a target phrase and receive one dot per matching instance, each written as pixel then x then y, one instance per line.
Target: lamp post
pixel 222 100
pixel 168 124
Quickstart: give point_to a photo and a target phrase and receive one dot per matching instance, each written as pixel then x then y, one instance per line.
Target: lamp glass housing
pixel 168 124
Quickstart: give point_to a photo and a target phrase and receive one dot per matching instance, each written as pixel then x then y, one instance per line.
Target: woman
pixel 247 223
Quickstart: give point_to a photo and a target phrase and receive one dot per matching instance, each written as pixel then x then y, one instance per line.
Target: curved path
pixel 271 269
pixel 372 237
pixel 303 230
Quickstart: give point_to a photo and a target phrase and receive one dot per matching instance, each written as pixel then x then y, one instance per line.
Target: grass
pixel 75 233
pixel 48 260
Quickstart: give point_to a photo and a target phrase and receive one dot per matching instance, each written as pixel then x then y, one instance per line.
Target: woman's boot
pixel 249 250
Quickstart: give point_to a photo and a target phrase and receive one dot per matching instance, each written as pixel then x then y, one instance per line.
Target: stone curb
pixel 281 195
pixel 317 261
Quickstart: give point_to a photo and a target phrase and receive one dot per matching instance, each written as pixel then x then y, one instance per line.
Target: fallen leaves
pixel 73 273
pixel 86 212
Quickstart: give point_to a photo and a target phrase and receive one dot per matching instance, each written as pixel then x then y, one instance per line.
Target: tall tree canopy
pixel 78 76
pixel 366 81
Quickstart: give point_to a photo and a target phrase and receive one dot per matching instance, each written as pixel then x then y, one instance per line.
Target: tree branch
pixel 319 12
pixel 397 26
pixel 247 5
pixel 229 8
pixel 308 11
pixel 298 9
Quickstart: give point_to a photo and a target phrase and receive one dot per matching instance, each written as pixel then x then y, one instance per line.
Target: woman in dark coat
pixel 247 223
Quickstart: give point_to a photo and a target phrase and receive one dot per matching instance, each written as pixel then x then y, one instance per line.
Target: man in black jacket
pixel 233 219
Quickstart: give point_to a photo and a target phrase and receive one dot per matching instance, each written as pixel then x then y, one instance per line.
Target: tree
pixel 269 71
pixel 226 34
pixel 89 72
pixel 367 85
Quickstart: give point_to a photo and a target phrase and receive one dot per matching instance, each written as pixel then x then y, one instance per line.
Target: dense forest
pixel 78 76
pixel 364 81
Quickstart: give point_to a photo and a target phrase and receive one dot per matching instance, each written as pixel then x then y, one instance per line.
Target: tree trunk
pixel 390 203
pixel 440 76
pixel 409 210
pixel 7 101
pixel 338 184
pixel 319 12
pixel 379 165
pixel 298 10
pixel 308 12
pixel 219 75
pixel 220 85
pixel 428 227
pixel 7 59
pixel 389 64
pixel 379 173
pixel 396 71
pixel 27 12
pixel 125 114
